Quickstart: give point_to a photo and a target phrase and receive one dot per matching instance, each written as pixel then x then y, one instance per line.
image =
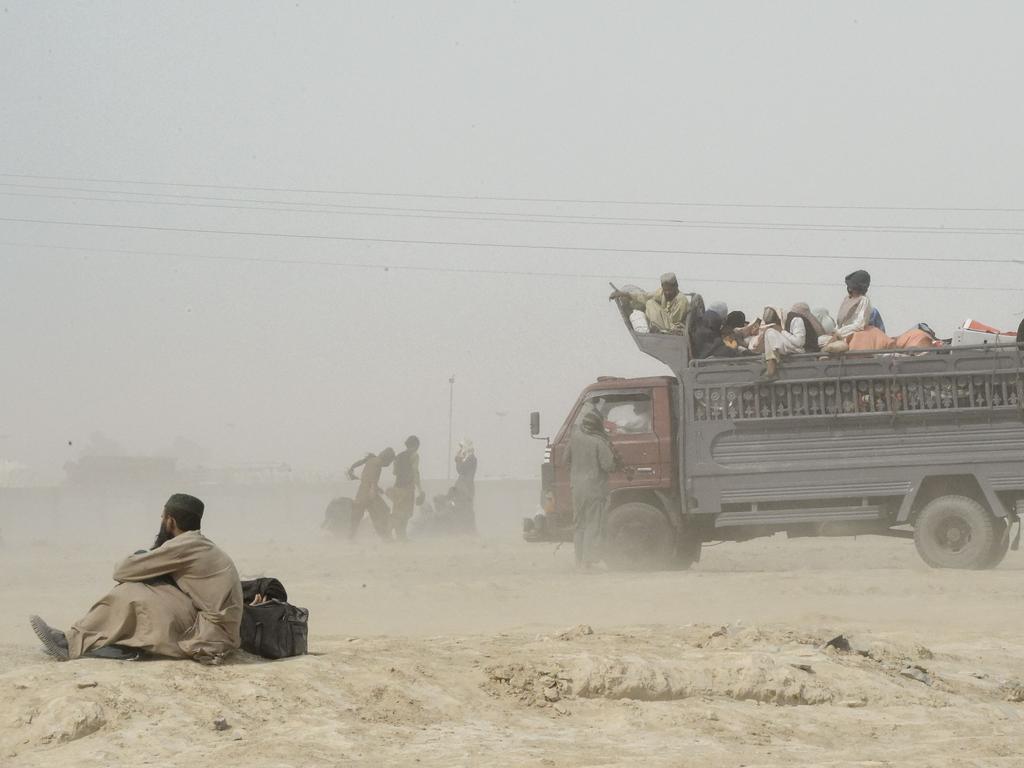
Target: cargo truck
pixel 925 444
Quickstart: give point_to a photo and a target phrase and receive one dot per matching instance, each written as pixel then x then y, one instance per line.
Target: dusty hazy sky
pixel 833 104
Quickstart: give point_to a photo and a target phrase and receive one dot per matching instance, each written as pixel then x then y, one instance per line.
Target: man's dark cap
pixel 858 281
pixel 182 502
pixel 735 319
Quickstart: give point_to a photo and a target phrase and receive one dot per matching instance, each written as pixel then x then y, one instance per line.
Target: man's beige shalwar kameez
pixel 667 316
pixel 193 612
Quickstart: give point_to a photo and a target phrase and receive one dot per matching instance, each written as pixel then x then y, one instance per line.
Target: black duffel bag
pixel 275 629
pixel 269 587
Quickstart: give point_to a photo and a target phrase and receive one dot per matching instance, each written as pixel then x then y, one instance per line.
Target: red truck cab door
pixel 639 424
pixel 633 420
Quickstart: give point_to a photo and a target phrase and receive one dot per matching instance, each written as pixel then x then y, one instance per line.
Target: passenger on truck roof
pixel 709 339
pixel 733 330
pixel 720 308
pixel 854 312
pixel 798 332
pixel 816 331
pixel 735 320
pixel 737 333
pixel 828 324
pixel 665 308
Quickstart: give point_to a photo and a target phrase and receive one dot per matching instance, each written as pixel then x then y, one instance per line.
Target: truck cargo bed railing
pixel 857 395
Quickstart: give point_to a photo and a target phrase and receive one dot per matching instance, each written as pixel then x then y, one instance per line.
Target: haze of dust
pixel 479 651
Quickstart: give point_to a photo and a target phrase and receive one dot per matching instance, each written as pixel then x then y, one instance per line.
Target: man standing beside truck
pixel 665 308
pixel 591 459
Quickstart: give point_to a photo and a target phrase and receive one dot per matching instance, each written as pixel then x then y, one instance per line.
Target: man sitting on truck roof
pixel 665 308
pixel 788 333
pixel 854 313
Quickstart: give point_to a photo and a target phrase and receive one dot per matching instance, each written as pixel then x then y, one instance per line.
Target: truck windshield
pixel 627 413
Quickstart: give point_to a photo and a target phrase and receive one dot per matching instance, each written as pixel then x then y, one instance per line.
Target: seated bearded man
pixel 181 599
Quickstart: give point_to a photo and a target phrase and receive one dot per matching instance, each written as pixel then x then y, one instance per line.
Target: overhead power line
pixel 509 217
pixel 521 199
pixel 512 246
pixel 470 270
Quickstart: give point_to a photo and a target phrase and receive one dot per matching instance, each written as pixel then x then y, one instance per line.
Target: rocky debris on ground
pixel 916 672
pixel 1014 691
pixel 720 632
pixel 883 652
pixel 751 676
pixel 743 677
pixel 395 702
pixel 529 684
pixel 220 724
pixel 67 719
pixel 839 643
pixel 87 684
pixel 764 665
pixel 580 630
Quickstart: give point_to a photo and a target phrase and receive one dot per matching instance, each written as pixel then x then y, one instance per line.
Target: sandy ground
pixel 467 652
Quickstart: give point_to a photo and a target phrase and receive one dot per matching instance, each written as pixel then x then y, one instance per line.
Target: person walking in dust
pixel 464 490
pixel 368 497
pixel 407 490
pixel 182 599
pixel 591 458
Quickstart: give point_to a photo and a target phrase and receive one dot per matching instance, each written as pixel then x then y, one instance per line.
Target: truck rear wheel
pixel 955 532
pixel 638 538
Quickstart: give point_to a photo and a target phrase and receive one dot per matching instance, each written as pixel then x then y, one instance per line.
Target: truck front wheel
pixel 955 532
pixel 638 538
pixel 688 549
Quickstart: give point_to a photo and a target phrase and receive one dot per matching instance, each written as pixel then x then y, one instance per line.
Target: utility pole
pixel 451 413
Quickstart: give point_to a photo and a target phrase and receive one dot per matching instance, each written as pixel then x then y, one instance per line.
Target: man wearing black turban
pixel 182 599
pixel 858 282
pixel 855 312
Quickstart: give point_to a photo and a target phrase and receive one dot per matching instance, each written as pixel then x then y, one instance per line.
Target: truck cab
pixel 639 416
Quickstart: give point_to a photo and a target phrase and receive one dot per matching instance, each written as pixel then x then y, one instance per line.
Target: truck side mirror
pixel 534 423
